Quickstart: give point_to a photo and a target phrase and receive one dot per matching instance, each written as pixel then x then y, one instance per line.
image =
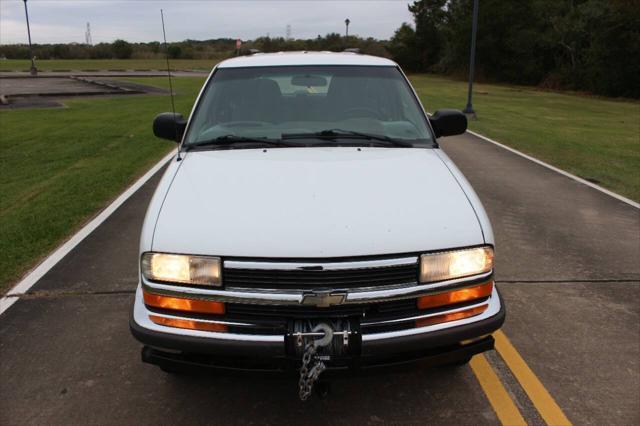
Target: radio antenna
pixel 166 55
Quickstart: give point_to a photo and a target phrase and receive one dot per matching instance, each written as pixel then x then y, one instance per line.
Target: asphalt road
pixel 567 267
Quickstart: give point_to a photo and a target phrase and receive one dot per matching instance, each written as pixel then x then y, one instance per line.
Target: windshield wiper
pixel 350 134
pixel 230 140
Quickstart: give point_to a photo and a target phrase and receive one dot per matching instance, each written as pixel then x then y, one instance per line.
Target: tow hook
pixel 312 364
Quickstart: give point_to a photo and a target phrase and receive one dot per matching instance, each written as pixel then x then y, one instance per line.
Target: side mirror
pixel 169 126
pixel 448 122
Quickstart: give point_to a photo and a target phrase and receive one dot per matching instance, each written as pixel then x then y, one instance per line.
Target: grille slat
pixel 361 278
pixel 250 278
pixel 405 269
pixel 279 283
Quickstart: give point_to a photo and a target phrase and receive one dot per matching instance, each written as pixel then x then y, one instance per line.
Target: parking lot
pixel 567 267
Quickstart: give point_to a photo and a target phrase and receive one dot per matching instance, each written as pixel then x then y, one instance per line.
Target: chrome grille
pixel 374 310
pixel 332 275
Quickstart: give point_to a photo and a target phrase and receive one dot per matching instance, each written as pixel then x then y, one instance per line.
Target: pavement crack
pixel 55 294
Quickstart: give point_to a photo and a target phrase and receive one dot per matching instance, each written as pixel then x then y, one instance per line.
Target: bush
pixel 121 49
pixel 174 51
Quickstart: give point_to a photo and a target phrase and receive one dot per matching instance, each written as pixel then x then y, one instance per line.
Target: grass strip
pixel 595 138
pixel 59 167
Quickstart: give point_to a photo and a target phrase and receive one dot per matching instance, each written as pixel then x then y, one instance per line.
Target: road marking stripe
pixel 538 394
pixel 32 277
pixel 497 395
pixel 557 170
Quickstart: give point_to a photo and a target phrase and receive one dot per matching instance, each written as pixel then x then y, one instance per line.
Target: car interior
pixel 275 104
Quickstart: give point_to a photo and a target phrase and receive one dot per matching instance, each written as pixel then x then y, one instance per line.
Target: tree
pixel 512 42
pixel 121 49
pixel 430 17
pixel 403 48
pixel 612 59
pixel 61 51
pixel 101 51
pixel 174 51
pixel 597 46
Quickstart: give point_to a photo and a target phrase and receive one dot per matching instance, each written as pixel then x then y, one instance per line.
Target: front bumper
pixel 440 343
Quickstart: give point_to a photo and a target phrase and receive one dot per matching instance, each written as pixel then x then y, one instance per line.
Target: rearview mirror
pixel 169 126
pixel 448 122
pixel 309 81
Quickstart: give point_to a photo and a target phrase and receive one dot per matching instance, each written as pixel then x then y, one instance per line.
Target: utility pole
pixel 347 22
pixel 33 70
pixel 472 61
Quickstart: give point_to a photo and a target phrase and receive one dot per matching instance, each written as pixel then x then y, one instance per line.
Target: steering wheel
pixel 362 112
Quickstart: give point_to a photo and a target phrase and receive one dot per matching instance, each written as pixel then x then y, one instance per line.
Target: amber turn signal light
pixel 455 296
pixel 183 304
pixel 454 316
pixel 189 324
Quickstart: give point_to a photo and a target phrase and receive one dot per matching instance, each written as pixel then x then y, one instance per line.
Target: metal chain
pixel 304 384
pixel 309 375
pixel 312 366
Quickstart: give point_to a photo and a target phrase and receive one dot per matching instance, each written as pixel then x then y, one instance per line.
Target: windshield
pixel 307 105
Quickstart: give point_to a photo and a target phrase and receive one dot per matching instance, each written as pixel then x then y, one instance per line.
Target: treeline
pixel 332 42
pixel 587 45
pixel 192 49
pixel 121 49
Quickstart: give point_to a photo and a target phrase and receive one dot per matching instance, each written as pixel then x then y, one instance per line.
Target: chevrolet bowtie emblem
pixel 323 299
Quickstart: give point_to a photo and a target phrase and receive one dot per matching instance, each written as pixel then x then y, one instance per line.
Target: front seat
pixel 266 101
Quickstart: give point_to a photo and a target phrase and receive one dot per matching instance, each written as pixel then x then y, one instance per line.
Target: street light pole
pixel 33 70
pixel 347 22
pixel 472 60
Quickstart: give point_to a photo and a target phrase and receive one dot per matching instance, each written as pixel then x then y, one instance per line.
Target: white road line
pixel 557 170
pixel 30 279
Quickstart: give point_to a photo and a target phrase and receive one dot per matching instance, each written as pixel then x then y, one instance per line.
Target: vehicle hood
pixel 314 202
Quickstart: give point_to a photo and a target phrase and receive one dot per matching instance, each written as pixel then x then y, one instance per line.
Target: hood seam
pixel 164 198
pixel 484 239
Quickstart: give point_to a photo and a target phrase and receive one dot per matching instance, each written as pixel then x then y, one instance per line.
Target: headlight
pixel 178 268
pixel 455 264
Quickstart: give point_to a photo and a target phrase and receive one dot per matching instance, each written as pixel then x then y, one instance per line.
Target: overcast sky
pixel 55 21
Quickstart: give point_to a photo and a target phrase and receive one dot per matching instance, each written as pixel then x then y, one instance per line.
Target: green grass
pixel 108 64
pixel 58 167
pixel 595 138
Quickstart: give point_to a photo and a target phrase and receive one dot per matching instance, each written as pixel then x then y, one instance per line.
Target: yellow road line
pixel 542 400
pixel 497 395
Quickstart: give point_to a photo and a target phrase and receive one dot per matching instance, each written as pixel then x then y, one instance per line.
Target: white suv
pixel 311 214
